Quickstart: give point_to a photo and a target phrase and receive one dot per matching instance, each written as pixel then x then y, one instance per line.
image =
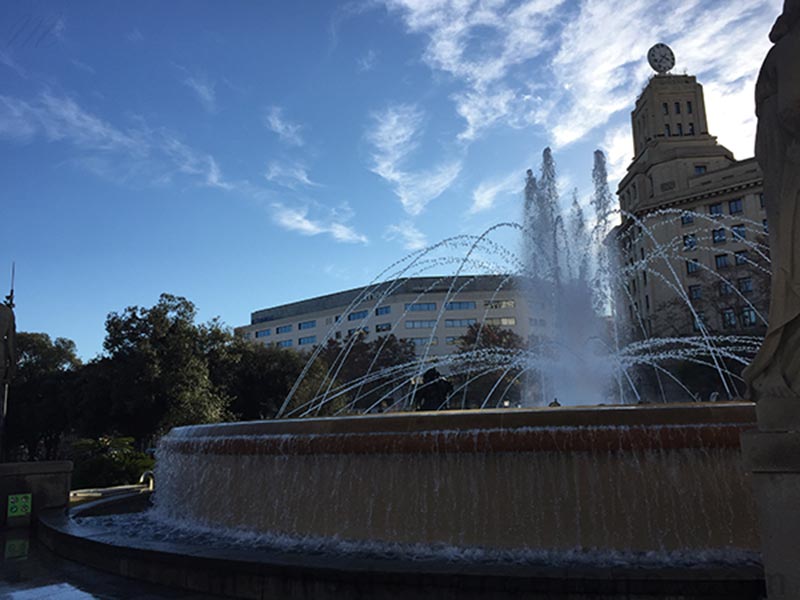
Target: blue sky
pixel 248 154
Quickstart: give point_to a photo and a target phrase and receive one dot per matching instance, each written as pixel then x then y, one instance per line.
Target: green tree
pixel 159 372
pixel 41 396
pixel 481 383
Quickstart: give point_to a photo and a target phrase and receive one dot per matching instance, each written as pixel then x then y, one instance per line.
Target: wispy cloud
pixel 82 66
pixel 479 44
pixel 484 196
pixel 407 234
pixel 205 91
pixel 570 67
pixel 137 151
pixel 368 61
pixel 287 131
pixel 618 148
pixel 134 36
pixel 289 175
pixel 394 135
pixel 296 218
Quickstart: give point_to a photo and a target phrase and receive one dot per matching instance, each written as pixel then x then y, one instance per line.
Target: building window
pixel 451 340
pixel 718 235
pixel 745 285
pixel 695 292
pixel 383 310
pixel 766 226
pixel 284 344
pixel 687 218
pixel 464 305
pixel 700 169
pixel 667 130
pixel 699 321
pixel 380 327
pixel 735 206
pixel 728 318
pixel 499 304
pixel 691 129
pixel 283 329
pixel 421 324
pixel 725 288
pixel 740 258
pixel 690 242
pixel 715 210
pixel 665 108
pixel 738 232
pixel 721 261
pixel 748 317
pixel 677 108
pixel 424 341
pixel 304 341
pixel 689 106
pixel 420 306
pixel 307 325
pixel 262 333
pixel 358 315
pixel 459 322
pixel 502 321
pixel 679 129
pixel 761 200
pixel 358 331
pixel 693 266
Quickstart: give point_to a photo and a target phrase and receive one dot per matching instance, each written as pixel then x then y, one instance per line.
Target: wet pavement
pixel 28 571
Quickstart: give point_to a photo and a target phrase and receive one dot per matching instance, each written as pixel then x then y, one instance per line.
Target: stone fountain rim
pixel 206 569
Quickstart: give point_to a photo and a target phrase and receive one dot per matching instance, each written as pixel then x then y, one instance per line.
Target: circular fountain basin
pixel 578 501
pixel 635 480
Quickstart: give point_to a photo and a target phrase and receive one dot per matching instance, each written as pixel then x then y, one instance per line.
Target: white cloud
pixel 601 66
pixel 368 61
pixel 288 175
pixel 394 135
pixel 297 219
pixel 480 44
pixel 204 90
pixel 569 67
pixel 405 232
pixel 137 152
pixel 617 146
pixel 134 36
pixel 287 131
pixel 82 66
pixel 484 196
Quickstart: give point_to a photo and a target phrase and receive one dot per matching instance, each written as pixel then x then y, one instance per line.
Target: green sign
pixel 16 549
pixel 19 505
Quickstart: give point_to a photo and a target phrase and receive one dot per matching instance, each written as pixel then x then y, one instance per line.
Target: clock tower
pixel 670 137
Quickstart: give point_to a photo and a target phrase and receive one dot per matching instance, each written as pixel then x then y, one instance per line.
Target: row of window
pixel 721 261
pixel 360 315
pixel 735 206
pixel 747 318
pixel 718 236
pixel 678 130
pixel 724 288
pixel 677 107
pixel 431 323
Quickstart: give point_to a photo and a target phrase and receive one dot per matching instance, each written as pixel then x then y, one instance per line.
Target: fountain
pixel 500 499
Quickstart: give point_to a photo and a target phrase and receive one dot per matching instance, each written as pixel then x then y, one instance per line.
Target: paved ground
pixel 30 572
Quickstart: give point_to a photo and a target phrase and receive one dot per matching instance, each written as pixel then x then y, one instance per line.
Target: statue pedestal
pixel 774 459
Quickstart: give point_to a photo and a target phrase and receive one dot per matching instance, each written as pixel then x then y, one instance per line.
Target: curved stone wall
pixel 631 479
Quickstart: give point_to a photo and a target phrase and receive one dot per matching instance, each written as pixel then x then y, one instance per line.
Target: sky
pixel 249 154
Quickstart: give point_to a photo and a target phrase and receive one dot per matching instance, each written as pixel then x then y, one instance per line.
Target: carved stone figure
pixel 8 356
pixel 774 374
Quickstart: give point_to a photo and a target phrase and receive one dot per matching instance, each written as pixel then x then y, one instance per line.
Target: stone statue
pixel 774 374
pixel 8 355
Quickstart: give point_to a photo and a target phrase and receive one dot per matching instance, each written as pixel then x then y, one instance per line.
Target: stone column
pixel 773 452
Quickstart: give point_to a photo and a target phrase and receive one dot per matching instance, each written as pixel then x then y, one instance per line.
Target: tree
pixel 41 395
pixel 483 384
pixel 159 372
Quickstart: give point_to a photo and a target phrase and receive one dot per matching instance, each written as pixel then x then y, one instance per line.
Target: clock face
pixel 661 58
